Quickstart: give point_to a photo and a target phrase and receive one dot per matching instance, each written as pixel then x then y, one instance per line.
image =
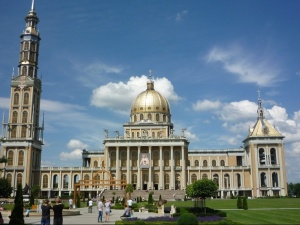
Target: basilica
pixel 147 155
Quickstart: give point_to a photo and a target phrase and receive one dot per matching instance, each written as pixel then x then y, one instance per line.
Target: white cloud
pixel 119 96
pixel 179 16
pixel 73 144
pixel 235 111
pixel 206 105
pixel 248 69
pixel 73 155
pixel 58 107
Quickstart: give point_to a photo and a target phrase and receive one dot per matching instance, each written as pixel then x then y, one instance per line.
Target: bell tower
pixel 22 135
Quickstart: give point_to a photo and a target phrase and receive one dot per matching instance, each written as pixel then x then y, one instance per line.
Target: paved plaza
pixel 85 217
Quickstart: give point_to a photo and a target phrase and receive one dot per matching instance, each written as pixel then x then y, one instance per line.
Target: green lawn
pixel 260 211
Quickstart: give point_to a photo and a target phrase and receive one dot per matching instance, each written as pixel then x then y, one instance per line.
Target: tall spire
pixel 150 83
pixel 260 110
pixel 32 5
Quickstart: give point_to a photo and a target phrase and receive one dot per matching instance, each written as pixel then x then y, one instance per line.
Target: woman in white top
pixel 107 210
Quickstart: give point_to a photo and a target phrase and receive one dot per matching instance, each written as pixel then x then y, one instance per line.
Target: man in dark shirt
pixel 46 212
pixel 57 209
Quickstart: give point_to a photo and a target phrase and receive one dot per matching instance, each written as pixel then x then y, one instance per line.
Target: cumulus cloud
pixel 206 105
pixel 119 96
pixel 76 147
pixel 56 106
pixel 248 69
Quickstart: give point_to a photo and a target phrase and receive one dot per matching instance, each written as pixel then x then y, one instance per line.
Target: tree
pixel 35 190
pixel 201 189
pixel 17 217
pixel 3 160
pixel 128 190
pixel 5 188
pixel 239 203
pixel 245 204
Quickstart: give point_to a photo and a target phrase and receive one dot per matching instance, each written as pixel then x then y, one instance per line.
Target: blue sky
pixel 208 58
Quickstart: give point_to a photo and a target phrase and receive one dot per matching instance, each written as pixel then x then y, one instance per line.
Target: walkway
pixel 85 217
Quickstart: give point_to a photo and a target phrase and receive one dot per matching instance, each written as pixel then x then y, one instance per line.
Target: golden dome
pixel 149 104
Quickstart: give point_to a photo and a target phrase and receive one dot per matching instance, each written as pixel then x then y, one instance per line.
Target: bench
pixel 143 209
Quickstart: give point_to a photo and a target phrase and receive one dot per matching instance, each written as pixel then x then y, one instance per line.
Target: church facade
pixel 147 155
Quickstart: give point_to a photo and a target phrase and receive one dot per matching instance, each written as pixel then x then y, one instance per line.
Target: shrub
pixel 139 222
pixel 187 218
pixel 245 204
pixel 239 203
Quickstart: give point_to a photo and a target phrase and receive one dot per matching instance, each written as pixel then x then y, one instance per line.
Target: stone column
pixel 172 178
pixel 117 163
pixel 139 171
pixel 161 175
pixel 183 170
pixel 128 166
pixel 150 186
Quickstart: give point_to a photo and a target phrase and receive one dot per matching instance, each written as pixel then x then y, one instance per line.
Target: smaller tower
pixel 265 154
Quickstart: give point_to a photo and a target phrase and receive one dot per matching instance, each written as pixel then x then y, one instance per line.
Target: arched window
pixel 76 179
pixel 123 158
pixel 157 117
pixel 14 131
pixel 156 178
pixel 113 159
pixel 15 117
pixel 274 179
pixel 134 118
pixel 26 45
pixel 132 134
pixel 216 179
pixel 86 178
pixel 134 159
pixel 167 181
pixel 193 178
pixel 26 98
pixel 205 163
pixel 166 158
pixel 9 179
pixel 24 68
pixel 21 158
pixel 66 181
pixel 263 179
pixel 226 181
pixel 134 178
pixel 204 176
pixel 55 181
pixel 10 158
pixel 23 131
pixel 45 181
pixel 188 163
pixel 238 180
pixel 16 99
pixel 164 118
pixel 141 117
pixel 273 156
pixel 19 179
pixel 222 163
pixel 153 134
pixel 95 163
pixel 24 117
pixel 155 158
pixel 149 116
pixel 177 158
pixel 196 163
pixel 214 163
pixel 262 159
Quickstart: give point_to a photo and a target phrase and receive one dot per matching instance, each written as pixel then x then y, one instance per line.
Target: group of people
pixel 104 208
pixel 57 209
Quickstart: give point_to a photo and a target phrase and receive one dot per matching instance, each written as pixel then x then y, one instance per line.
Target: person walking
pixel 70 203
pixel 58 209
pixel 107 210
pixel 46 207
pixel 129 203
pixel 100 210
